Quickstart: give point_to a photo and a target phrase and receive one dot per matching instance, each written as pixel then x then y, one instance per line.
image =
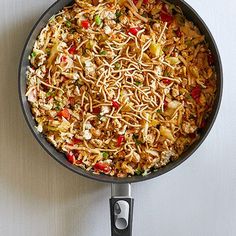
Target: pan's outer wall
pixel 55 8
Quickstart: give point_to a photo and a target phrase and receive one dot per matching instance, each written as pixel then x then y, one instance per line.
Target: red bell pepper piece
pixel 134 30
pixel 70 157
pixel 196 93
pixel 78 162
pixel 115 104
pixel 85 24
pixel 65 113
pixel 166 17
pixel 102 167
pixel 120 140
pixel 72 49
pixel 76 141
pixel 166 81
pixel 63 59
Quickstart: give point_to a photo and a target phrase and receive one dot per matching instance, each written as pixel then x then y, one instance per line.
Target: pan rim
pixel 105 178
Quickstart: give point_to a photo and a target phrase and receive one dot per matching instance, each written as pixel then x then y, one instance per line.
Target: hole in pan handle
pixel 121 208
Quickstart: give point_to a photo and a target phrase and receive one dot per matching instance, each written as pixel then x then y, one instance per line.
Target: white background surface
pixel 38 197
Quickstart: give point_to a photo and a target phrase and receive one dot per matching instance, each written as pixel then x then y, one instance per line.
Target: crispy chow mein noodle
pixel 122 87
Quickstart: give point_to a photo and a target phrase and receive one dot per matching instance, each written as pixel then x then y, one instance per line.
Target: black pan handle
pixel 121 208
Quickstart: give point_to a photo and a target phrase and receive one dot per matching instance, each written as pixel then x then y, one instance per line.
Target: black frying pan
pixel 121 203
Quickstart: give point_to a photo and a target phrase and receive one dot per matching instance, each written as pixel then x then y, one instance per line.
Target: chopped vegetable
pixel 166 17
pixel 173 60
pixel 155 49
pixel 68 23
pixel 70 157
pixel 188 96
pixel 134 31
pixel 33 54
pixel 72 49
pixel 115 104
pixel 105 155
pixel 78 162
pixel 64 113
pixel 57 108
pixel 98 20
pixel 154 123
pixel 166 133
pixel 117 65
pixel 103 52
pixel 63 59
pixel 85 24
pixel 76 141
pixel 166 81
pixel 139 171
pixel 48 51
pixel 135 138
pixel 72 31
pixel 102 167
pixel 120 140
pixel 90 44
pixel 49 94
pixel 118 14
pixel 196 93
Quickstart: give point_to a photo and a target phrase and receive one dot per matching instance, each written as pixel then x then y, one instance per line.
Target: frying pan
pixel 121 202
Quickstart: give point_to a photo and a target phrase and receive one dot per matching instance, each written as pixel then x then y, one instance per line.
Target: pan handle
pixel 121 208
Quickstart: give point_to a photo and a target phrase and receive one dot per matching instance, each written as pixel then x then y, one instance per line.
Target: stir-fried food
pixel 121 87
